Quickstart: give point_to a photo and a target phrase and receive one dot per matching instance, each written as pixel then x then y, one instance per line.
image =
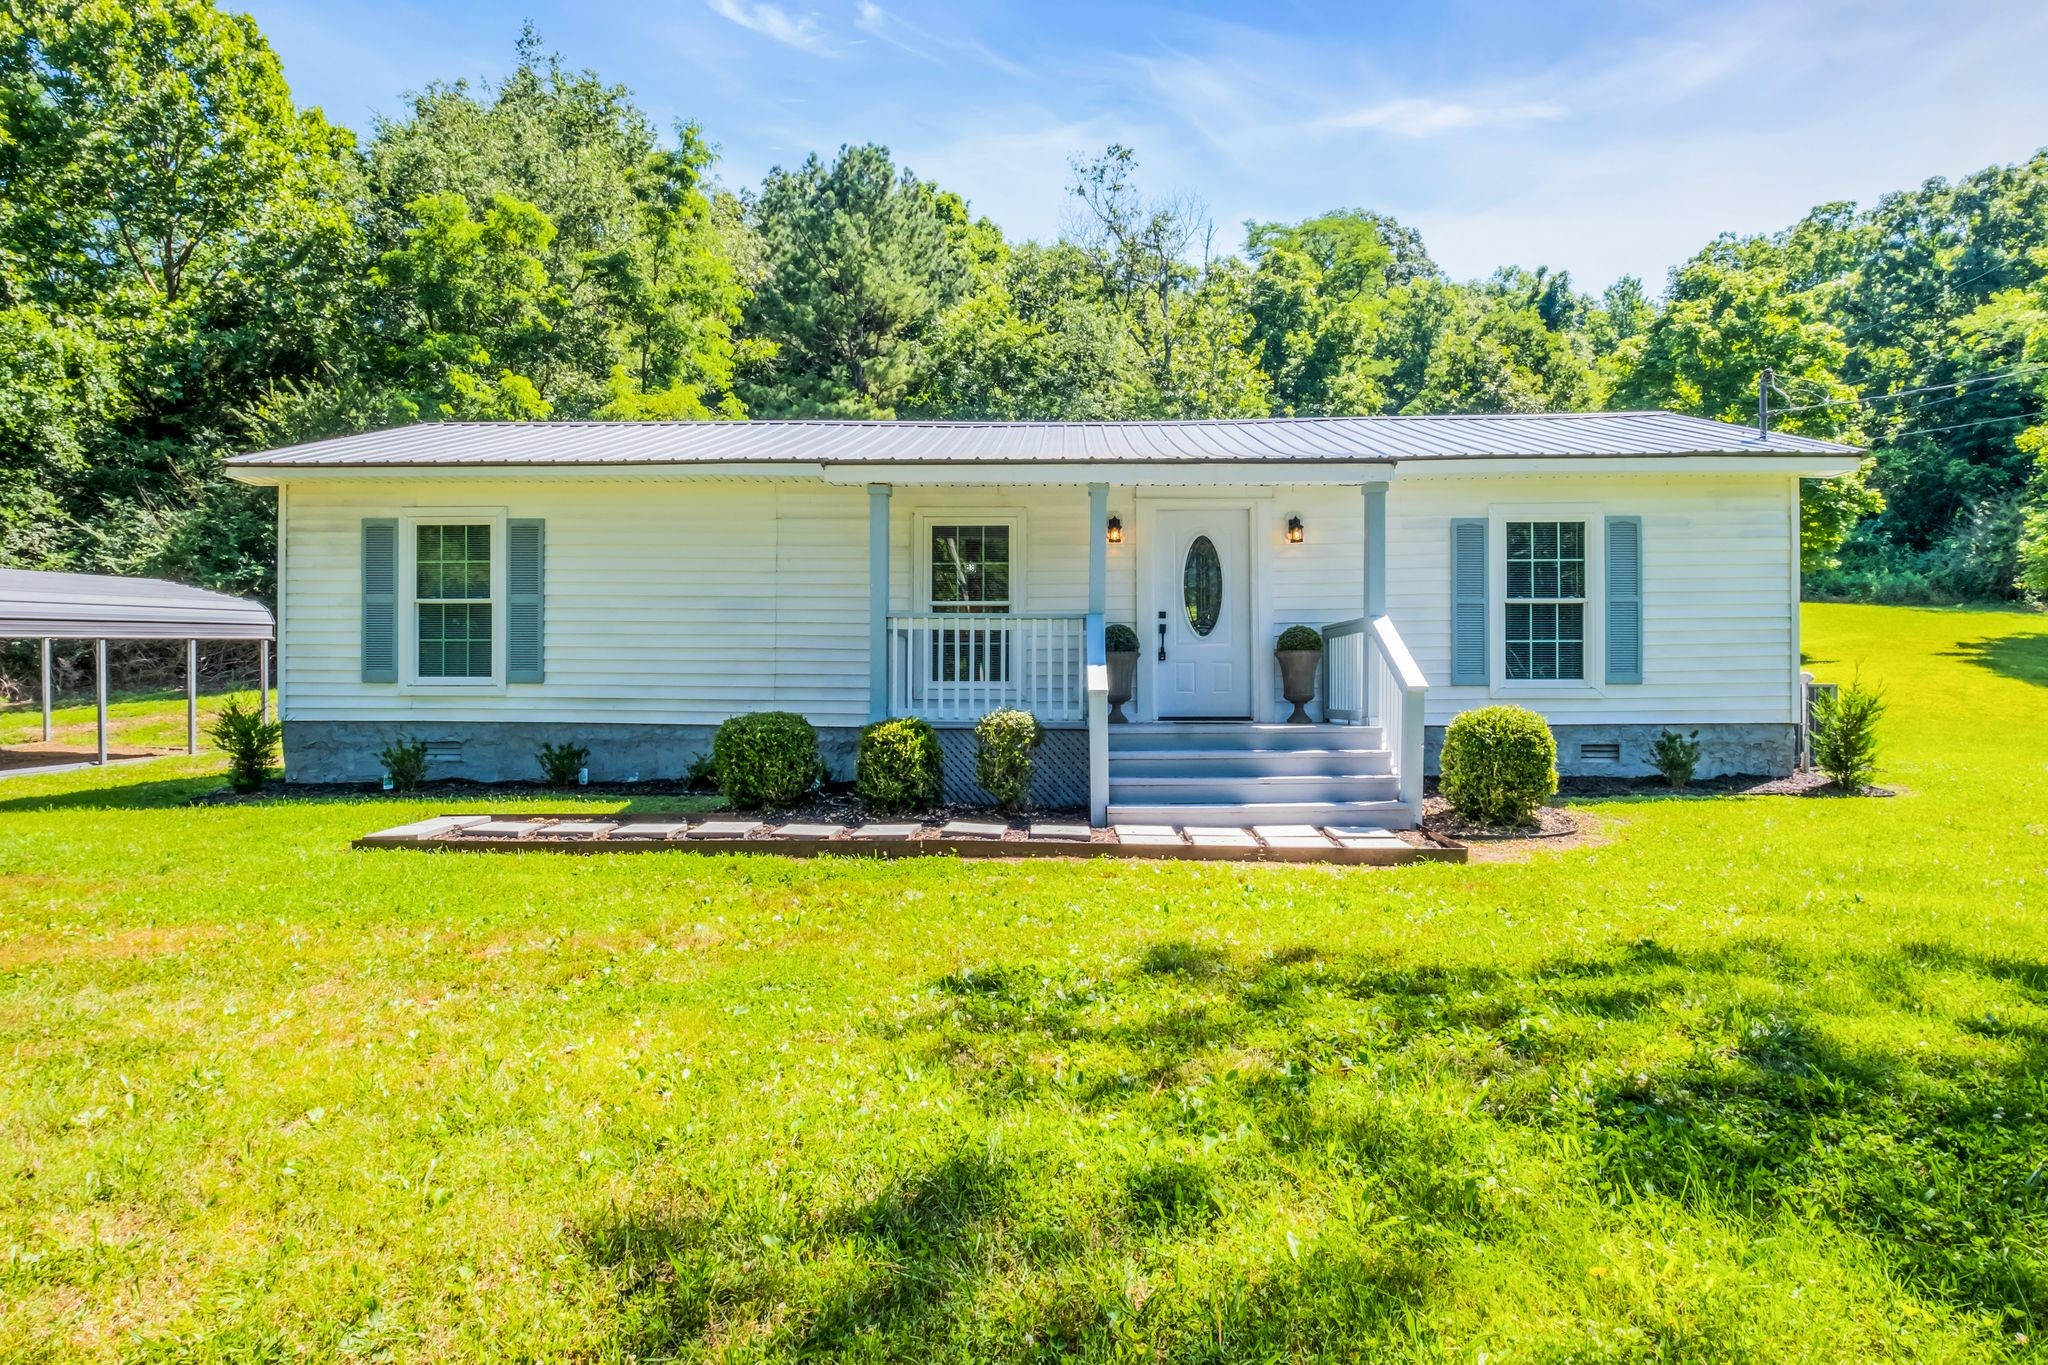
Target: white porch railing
pixel 1372 679
pixel 959 666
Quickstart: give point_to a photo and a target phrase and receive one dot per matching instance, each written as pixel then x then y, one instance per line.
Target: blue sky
pixel 1600 138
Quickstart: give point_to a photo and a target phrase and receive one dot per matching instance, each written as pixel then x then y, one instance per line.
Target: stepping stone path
pixel 1149 836
pixel 501 829
pixel 724 829
pixel 1290 836
pixel 580 829
pixel 1287 843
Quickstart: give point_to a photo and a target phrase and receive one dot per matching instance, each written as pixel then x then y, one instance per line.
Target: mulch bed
pixel 1805 782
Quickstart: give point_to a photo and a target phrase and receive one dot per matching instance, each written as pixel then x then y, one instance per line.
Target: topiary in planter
pixel 1300 654
pixel 1499 764
pixel 898 770
pixel 1121 643
pixel 1004 742
pixel 765 761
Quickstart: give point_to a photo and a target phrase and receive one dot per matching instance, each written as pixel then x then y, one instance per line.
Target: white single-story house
pixel 485 587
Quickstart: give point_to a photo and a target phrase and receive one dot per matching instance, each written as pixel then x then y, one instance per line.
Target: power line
pixel 1861 399
pixel 1959 426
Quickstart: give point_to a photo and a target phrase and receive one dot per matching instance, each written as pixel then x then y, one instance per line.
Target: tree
pixel 1183 318
pixel 165 205
pixel 860 261
pixel 1318 305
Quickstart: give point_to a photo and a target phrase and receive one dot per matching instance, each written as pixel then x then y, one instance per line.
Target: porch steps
pixel 1205 775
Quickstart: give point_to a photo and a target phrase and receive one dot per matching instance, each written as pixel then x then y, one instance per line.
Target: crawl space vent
pixel 1600 753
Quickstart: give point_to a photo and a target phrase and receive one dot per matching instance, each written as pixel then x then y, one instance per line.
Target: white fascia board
pixel 273 475
pixel 1125 474
pixel 1813 465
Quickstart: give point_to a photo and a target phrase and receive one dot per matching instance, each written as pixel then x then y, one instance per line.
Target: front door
pixel 1201 631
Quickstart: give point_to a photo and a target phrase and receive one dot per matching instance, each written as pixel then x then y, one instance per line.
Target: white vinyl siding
pixel 673 602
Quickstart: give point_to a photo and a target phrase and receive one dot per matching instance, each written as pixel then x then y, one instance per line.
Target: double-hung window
pixel 452 600
pixel 1545 604
pixel 971 575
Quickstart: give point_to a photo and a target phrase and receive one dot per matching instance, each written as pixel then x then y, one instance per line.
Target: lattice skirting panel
pixel 1059 780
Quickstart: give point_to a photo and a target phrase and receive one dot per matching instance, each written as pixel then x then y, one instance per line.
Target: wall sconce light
pixel 1116 530
pixel 1294 530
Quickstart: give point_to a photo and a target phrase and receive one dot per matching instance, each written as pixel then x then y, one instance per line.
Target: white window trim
pixel 921 551
pixel 1594 515
pixel 409 522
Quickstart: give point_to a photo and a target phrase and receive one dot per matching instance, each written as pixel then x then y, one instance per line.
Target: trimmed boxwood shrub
pixel 898 769
pixel 1676 756
pixel 1299 637
pixel 766 760
pixel 1004 742
pixel 1499 764
pixel 1120 639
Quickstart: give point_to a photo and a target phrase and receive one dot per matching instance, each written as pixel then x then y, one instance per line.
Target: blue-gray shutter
pixel 1624 599
pixel 1468 602
pixel 525 553
pixel 380 599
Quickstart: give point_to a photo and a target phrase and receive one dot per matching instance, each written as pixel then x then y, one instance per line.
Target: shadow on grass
pixel 1254 1077
pixel 2024 657
pixel 159 794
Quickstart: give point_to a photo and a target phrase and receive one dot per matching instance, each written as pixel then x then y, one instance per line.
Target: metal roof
pixel 1278 439
pixel 80 606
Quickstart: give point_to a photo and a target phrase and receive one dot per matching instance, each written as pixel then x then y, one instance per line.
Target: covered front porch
pixel 995 588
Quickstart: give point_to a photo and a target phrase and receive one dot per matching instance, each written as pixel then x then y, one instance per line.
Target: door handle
pixel 1162 637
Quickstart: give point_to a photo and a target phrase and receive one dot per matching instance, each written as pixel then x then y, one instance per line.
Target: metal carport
pixel 102 607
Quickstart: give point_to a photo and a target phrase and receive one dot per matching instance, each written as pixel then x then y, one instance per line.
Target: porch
pixel 960 581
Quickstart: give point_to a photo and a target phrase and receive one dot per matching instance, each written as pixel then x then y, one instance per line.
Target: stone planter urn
pixel 1300 656
pixel 1122 652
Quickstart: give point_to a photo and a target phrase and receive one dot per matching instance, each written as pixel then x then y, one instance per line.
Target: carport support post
pixel 263 681
pixel 46 689
pixel 99 692
pixel 191 696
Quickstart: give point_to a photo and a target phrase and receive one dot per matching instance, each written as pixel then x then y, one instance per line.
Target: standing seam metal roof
pixel 78 606
pixel 1279 439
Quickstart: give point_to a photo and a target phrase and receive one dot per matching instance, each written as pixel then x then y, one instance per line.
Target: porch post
pixel 1375 598
pixel 878 601
pixel 1375 550
pixel 1096 672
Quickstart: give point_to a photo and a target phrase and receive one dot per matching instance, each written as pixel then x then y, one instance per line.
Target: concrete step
pixel 1249 764
pixel 1202 790
pixel 1243 815
pixel 1210 736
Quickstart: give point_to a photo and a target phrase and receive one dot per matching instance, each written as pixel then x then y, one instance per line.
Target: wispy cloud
pixel 1432 118
pixel 773 21
pixel 926 43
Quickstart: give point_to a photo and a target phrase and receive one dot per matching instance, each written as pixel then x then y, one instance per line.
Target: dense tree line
pixel 191 265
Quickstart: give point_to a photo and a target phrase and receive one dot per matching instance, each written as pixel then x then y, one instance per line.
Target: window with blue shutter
pixel 380 599
pixel 1624 599
pixel 1468 602
pixel 525 553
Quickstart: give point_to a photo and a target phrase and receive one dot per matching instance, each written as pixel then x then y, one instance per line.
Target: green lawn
pixel 1757 1080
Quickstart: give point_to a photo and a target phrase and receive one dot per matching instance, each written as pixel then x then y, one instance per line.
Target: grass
pixel 135 720
pixel 1759 1079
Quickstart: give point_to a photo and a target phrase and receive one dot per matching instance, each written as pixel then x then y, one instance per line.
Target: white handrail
pixel 1400 693
pixel 959 666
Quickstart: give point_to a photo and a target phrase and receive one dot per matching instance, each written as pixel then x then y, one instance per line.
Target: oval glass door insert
pixel 1202 585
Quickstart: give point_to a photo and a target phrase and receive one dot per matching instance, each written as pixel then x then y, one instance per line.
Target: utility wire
pixel 1959 426
pixel 1861 399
